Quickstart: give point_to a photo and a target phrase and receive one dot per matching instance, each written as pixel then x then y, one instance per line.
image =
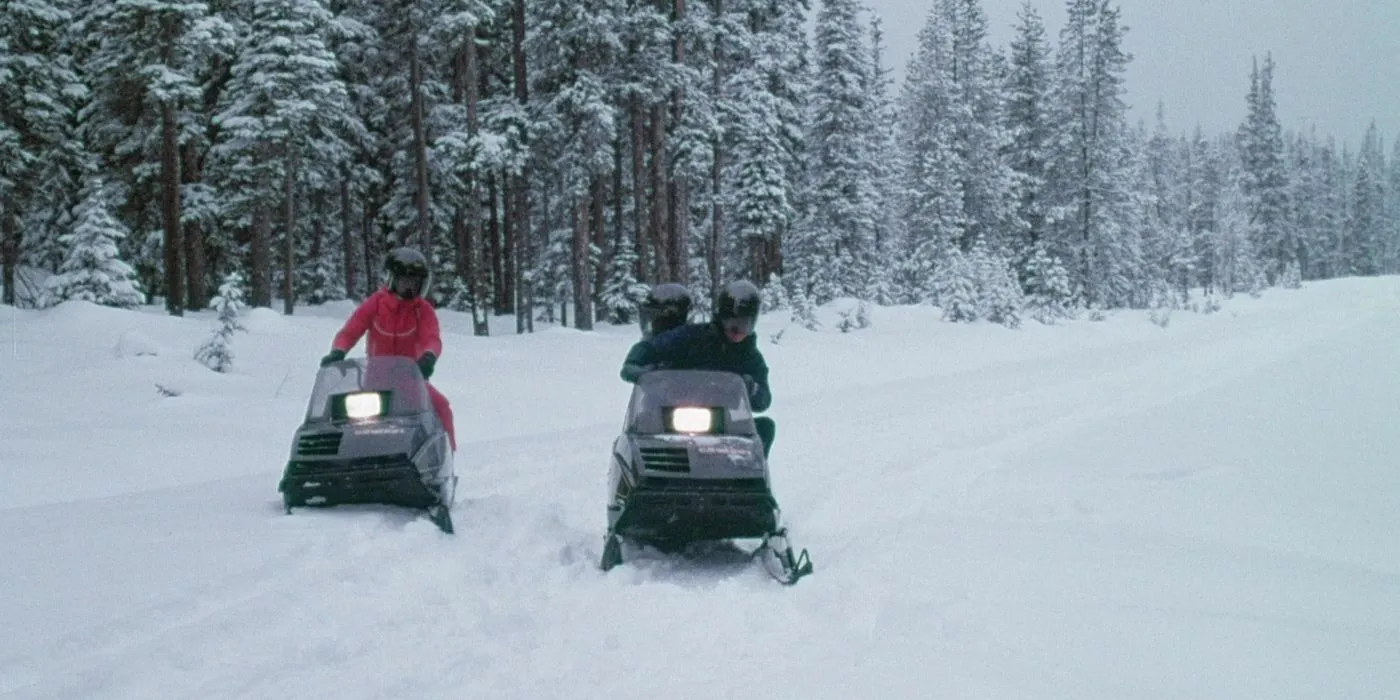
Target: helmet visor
pixel 409 284
pixel 737 328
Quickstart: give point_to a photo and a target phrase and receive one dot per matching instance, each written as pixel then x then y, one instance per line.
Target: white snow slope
pixel 1093 510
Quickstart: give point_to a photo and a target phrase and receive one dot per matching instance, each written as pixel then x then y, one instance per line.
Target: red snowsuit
pixel 406 327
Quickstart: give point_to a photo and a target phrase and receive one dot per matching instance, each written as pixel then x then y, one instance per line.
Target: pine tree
pixel 932 210
pixel 287 114
pixel 1366 228
pixel 1027 120
pixel 979 134
pixel 1265 177
pixel 92 270
pixel 768 89
pixel 1091 156
pixel 143 69
pixel 215 353
pixel 39 95
pixel 836 247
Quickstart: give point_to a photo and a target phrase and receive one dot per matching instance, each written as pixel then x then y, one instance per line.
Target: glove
pixel 751 385
pixel 631 372
pixel 333 356
pixel 426 364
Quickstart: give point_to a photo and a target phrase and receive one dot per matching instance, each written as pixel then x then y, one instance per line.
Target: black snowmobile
pixel 690 468
pixel 371 436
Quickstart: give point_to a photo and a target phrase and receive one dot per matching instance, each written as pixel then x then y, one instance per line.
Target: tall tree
pixel 837 245
pixel 1265 177
pixel 1031 134
pixel 39 94
pixel 142 73
pixel 287 115
pixel 1090 159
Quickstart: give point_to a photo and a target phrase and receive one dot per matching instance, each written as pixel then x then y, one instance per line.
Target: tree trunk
pixel 507 281
pixel 679 188
pixel 420 145
pixel 260 250
pixel 347 238
pixel 494 248
pixel 645 269
pixel 715 255
pixel 660 237
pixel 289 232
pixel 196 272
pixel 583 295
pixel 480 316
pixel 597 223
pixel 519 184
pixel 170 209
pixel 619 225
pixel 9 250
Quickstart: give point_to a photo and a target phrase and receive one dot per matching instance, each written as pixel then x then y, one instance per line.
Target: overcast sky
pixel 1337 61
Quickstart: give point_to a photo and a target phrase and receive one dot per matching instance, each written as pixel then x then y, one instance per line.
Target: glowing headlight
pixel 691 420
pixel 366 405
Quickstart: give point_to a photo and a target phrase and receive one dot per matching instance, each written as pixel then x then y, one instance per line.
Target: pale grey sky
pixel 1337 62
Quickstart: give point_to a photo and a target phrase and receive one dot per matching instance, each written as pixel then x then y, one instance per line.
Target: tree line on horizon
pixel 554 158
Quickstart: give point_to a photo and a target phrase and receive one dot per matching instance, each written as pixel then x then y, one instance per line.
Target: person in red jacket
pixel 400 321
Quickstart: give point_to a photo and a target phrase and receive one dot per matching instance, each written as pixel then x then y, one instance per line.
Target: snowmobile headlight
pixel 360 405
pixel 692 420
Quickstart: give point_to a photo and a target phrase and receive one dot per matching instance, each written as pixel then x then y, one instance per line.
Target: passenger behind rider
pixel 727 343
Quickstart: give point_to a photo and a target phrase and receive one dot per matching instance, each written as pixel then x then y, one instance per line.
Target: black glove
pixel 333 356
pixel 426 364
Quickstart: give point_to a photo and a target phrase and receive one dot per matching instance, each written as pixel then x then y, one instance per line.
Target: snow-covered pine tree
pixel 1160 192
pixel 142 69
pixel 573 85
pixel 1237 268
pixel 955 286
pixel 1027 122
pixel 765 124
pixel 92 270
pixel 836 244
pixel 884 168
pixel 1048 295
pixel 1265 175
pixel 1367 228
pixel 39 95
pixel 1090 159
pixel 622 293
pixel 979 132
pixel 215 353
pixel 287 112
pixel 931 192
pixel 999 293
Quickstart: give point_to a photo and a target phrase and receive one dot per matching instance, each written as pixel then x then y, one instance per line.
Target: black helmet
pixel 667 305
pixel 408 263
pixel 738 299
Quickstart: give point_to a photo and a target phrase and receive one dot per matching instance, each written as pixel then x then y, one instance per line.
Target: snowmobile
pixel 689 468
pixel 371 436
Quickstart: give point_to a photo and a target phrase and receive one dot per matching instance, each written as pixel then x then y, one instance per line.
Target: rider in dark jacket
pixel 727 343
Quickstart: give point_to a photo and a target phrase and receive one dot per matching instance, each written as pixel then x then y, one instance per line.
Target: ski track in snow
pixel 1059 522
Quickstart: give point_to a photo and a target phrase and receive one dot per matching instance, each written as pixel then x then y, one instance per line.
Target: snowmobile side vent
pixel 319 445
pixel 666 459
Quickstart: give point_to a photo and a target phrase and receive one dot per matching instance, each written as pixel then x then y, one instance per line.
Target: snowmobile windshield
pixel 399 376
pixel 657 394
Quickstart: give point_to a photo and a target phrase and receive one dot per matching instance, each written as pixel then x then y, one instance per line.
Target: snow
pixel 1090 510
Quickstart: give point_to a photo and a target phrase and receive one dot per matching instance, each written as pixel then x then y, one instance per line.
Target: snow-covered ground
pixel 1094 510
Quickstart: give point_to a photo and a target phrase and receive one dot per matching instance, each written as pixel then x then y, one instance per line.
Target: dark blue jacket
pixel 702 346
